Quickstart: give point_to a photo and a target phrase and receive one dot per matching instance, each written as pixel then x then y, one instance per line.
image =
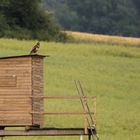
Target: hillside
pixel 110 72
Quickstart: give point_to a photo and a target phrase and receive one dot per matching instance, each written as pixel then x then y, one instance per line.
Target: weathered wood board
pixel 21 79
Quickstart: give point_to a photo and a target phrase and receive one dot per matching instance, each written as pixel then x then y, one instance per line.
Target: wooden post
pixel 94 115
pixel 81 137
pixel 85 114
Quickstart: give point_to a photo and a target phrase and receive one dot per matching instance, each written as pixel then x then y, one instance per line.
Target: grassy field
pixel 110 72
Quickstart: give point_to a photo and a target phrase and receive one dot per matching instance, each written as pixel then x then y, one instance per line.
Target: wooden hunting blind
pixel 22 100
pixel 21 86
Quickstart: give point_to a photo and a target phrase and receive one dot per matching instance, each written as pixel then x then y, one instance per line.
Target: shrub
pixel 26 20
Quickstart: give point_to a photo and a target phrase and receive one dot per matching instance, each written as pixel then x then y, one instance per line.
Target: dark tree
pixel 27 19
pixel 116 17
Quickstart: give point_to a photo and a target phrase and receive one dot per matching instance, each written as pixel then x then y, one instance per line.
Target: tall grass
pixel 112 73
pixel 105 39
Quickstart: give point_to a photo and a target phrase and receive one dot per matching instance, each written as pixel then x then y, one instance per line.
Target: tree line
pixel 114 17
pixel 26 19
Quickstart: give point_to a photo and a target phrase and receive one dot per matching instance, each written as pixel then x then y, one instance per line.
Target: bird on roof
pixel 35 48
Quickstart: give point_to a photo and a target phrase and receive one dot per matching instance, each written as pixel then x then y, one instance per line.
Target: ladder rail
pixel 88 109
pixel 84 109
pixel 86 102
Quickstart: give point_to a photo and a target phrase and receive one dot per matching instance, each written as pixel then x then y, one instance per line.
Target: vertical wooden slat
pixel 85 114
pixel 37 88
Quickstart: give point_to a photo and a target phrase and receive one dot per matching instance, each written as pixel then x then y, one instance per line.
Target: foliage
pixel 114 17
pixel 3 24
pixel 27 20
pixel 112 73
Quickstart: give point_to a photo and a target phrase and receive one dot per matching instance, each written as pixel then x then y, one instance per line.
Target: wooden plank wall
pixel 15 90
pixel 37 87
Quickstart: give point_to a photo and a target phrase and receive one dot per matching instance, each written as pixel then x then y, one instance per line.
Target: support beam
pixel 44 132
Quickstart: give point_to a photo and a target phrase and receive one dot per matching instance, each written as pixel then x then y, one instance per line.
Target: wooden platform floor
pixel 45 132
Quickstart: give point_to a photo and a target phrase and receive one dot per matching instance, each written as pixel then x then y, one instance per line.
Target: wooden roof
pixel 29 55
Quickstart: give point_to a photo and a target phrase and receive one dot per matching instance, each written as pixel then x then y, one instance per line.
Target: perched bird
pixel 35 48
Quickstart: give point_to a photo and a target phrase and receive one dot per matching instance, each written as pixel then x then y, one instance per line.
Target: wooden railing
pixel 85 113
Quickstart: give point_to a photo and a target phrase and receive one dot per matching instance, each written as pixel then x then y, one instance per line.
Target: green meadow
pixel 109 72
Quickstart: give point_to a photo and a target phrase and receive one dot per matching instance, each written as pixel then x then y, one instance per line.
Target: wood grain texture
pixel 8 81
pixel 15 80
pixel 37 87
pixel 21 79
